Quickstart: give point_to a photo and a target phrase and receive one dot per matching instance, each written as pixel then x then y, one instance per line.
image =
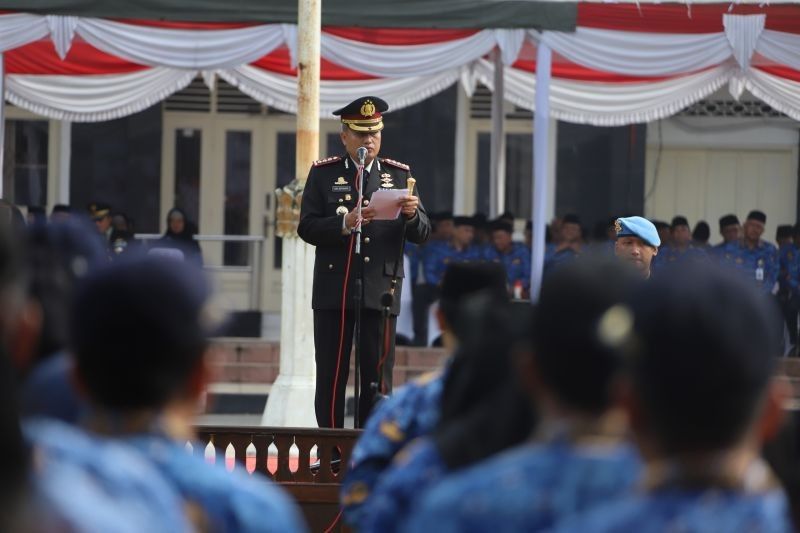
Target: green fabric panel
pixel 559 16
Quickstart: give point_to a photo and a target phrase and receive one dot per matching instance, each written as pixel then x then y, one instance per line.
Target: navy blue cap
pixel 638 227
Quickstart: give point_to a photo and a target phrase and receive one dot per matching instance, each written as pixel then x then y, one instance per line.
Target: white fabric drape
pixel 781 94
pixel 400 61
pixel 640 54
pixel 94 98
pixel 743 32
pixel 280 91
pixel 20 29
pixel 783 48
pixel 611 104
pixel 191 49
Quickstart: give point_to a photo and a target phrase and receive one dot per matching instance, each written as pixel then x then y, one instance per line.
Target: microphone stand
pixel 359 291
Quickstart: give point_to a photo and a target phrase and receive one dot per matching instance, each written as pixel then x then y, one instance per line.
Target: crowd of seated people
pixel 615 402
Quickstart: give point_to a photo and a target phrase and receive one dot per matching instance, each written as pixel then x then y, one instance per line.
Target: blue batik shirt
pixel 438 255
pixel 517 262
pixel 399 490
pixel 759 265
pixel 671 255
pixel 709 511
pixel 93 484
pixel 414 253
pixel 554 258
pixel 528 488
pixel 229 501
pixel 412 411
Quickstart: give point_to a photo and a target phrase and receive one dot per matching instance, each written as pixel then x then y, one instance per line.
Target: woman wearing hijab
pixel 180 237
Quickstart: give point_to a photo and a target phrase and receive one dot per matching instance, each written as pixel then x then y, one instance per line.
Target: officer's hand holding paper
pixel 386 203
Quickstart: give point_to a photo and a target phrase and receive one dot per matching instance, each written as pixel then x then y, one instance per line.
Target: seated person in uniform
pixel 514 256
pixel 413 410
pixel 637 243
pixel 569 245
pixel 702 399
pixel 578 456
pixel 483 411
pixel 680 249
pixel 140 336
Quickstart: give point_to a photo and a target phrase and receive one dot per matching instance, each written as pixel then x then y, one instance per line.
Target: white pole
pixel 2 122
pixel 64 160
pixel 459 178
pixel 541 125
pixel 497 155
pixel 291 398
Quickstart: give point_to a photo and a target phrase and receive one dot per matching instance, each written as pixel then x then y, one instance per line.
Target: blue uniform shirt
pixel 399 490
pixel 759 265
pixel 412 411
pixel 529 488
pixel 231 501
pixel 670 255
pixel 414 253
pixel 517 262
pixel 710 511
pixel 438 255
pixel 554 259
pixel 99 485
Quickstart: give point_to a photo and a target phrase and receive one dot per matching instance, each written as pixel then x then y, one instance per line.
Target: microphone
pixel 361 154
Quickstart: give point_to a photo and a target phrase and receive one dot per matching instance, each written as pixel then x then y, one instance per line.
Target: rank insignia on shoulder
pixel 397 164
pixel 326 161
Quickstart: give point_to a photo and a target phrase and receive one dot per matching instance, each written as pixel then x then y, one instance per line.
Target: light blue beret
pixel 638 227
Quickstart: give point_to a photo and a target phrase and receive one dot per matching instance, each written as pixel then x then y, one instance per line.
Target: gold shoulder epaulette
pixel 327 161
pixel 397 164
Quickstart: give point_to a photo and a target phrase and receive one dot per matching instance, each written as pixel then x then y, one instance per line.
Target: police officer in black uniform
pixel 327 218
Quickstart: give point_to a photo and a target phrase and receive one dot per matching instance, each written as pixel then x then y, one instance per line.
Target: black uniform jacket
pixel 331 184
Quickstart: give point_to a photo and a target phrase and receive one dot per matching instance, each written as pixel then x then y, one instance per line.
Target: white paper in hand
pixel 387 203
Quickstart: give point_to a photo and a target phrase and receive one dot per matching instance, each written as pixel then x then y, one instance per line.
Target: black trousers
pixel 327 326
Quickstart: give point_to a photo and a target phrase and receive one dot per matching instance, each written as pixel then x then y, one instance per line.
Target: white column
pixel 2 121
pixel 541 153
pixel 460 174
pixel 291 400
pixel 497 155
pixel 64 160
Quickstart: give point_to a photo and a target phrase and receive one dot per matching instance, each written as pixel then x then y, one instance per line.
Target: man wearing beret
pixel 680 249
pixel 754 258
pixel 328 216
pixel 637 243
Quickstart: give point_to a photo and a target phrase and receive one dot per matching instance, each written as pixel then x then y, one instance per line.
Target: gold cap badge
pixel 367 109
pixel 617 226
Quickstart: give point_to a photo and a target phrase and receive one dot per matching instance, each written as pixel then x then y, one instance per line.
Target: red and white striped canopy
pixel 623 64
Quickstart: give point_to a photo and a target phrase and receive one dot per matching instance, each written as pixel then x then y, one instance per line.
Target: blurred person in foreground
pixel 578 456
pixel 637 243
pixel 702 400
pixel 483 412
pixel 59 255
pixel 414 409
pixel 141 359
pixel 73 484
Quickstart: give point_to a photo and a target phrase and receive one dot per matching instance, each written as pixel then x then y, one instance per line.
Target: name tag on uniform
pixel 759 274
pixel 341 188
